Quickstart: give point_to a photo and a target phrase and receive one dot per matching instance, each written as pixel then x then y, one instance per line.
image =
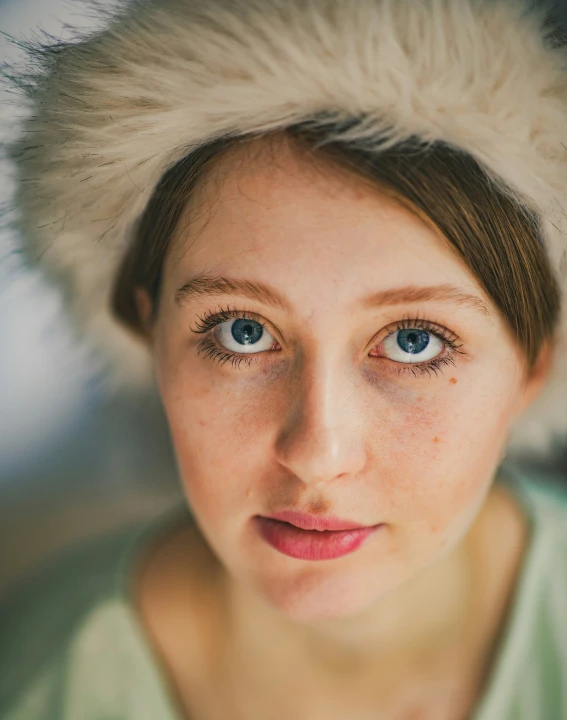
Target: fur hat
pixel 112 112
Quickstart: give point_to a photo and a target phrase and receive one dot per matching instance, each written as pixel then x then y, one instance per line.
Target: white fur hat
pixel 115 110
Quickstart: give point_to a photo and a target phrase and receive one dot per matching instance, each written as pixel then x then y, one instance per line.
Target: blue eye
pixel 416 345
pixel 412 345
pixel 243 335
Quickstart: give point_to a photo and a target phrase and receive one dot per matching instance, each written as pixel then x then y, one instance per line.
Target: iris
pixel 413 341
pixel 246 332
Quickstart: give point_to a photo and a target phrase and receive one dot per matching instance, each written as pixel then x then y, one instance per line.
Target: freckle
pixel 318 506
pixel 453 381
pixel 435 439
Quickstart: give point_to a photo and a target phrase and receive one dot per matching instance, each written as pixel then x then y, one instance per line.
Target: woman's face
pixel 379 388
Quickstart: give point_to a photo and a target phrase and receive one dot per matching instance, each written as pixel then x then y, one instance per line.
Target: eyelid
pixel 212 319
pixel 415 321
pixel 450 339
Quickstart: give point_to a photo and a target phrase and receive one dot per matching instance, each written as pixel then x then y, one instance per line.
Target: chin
pixel 311 597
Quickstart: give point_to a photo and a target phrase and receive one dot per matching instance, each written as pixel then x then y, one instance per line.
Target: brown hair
pixel 499 240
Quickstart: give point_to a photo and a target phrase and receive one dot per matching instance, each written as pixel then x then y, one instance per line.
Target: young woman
pixel 331 235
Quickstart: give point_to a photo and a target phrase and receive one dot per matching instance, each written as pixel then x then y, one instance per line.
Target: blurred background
pixel 72 461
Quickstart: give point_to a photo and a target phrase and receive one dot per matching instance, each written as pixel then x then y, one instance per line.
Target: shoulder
pixel 44 611
pixel 544 579
pixel 542 597
pixel 546 494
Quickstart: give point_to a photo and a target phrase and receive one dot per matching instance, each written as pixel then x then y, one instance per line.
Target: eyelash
pixel 212 350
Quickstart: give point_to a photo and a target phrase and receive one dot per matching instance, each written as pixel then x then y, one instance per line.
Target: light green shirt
pixel 72 647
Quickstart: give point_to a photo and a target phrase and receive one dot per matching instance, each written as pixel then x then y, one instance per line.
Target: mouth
pixel 305 521
pixel 312 543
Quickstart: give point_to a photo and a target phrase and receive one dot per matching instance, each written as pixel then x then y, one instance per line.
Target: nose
pixel 321 437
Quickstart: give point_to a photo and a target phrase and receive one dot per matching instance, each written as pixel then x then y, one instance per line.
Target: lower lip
pixel 311 544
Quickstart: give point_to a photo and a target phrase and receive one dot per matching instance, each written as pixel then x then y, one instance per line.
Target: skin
pixel 325 421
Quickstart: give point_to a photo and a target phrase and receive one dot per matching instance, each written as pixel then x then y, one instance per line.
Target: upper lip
pixel 315 522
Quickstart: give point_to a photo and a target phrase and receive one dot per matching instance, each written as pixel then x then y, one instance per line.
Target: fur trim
pixel 112 112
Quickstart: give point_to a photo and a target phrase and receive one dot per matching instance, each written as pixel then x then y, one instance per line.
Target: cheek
pixel 215 428
pixel 436 457
pixel 431 448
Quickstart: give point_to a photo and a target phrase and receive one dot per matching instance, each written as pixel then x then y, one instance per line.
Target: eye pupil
pixel 246 332
pixel 413 341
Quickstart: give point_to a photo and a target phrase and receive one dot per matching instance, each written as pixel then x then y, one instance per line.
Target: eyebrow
pixel 209 286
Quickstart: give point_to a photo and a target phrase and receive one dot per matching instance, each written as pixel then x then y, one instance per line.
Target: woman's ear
pixel 144 307
pixel 538 376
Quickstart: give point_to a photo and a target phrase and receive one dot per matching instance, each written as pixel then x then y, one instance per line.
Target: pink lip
pixel 314 522
pixel 311 544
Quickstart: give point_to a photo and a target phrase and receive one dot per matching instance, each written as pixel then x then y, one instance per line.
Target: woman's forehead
pixel 287 219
